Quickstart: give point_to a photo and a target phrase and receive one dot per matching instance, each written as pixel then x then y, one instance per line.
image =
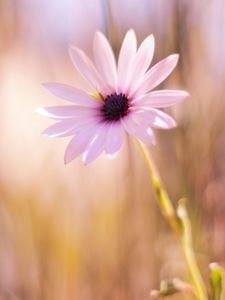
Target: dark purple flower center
pixel 115 107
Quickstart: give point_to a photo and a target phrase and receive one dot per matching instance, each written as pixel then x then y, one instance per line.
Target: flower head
pixel 121 100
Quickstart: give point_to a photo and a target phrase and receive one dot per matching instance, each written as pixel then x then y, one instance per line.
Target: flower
pixel 121 101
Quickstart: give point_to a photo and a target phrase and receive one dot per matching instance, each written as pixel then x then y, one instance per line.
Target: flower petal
pixel 162 98
pixel 154 118
pixel 156 75
pixel 71 94
pixel 114 138
pixel 126 56
pixel 104 59
pixel 96 146
pixel 79 143
pixel 142 60
pixel 86 68
pixel 69 127
pixel 66 111
pixel 59 129
pixel 139 131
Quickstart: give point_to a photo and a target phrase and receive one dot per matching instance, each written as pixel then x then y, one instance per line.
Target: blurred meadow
pixel 96 232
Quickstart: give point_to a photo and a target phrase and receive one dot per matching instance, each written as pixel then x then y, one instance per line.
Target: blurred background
pixel 96 232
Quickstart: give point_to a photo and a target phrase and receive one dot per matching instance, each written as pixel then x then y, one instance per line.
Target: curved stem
pixel 181 226
pixel 164 201
pixel 186 241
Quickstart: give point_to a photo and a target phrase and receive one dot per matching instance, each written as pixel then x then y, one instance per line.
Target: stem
pixel 186 241
pixel 181 228
pixel 164 201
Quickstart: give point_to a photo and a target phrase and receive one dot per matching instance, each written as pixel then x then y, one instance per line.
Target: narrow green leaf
pixel 216 281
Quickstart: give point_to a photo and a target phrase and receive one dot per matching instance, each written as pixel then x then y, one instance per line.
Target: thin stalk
pixel 186 241
pixel 181 227
pixel 164 201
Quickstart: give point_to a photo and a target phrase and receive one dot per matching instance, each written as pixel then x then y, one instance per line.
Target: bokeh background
pixel 96 232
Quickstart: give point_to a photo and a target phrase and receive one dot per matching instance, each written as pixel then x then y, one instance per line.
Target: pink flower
pixel 121 101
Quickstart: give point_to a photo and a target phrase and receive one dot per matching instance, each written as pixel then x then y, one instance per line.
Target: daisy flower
pixel 121 100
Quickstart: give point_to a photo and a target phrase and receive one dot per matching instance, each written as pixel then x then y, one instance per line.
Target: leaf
pixel 170 287
pixel 216 281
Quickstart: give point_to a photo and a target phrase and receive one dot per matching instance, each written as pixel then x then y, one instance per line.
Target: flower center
pixel 115 107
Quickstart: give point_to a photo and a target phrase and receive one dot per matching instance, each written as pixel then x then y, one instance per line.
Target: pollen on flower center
pixel 115 107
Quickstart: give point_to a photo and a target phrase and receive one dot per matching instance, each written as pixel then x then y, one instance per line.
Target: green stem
pixel 186 241
pixel 181 228
pixel 164 201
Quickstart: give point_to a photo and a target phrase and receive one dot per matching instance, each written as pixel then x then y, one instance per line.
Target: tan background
pixel 96 232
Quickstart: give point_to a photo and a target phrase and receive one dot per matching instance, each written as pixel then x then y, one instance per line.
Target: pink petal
pixel 126 56
pixel 138 131
pixel 71 94
pixel 163 98
pixel 96 146
pixel 79 143
pixel 86 68
pixel 66 111
pixel 69 127
pixel 155 118
pixel 114 138
pixel 104 59
pixel 156 74
pixel 59 129
pixel 142 60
